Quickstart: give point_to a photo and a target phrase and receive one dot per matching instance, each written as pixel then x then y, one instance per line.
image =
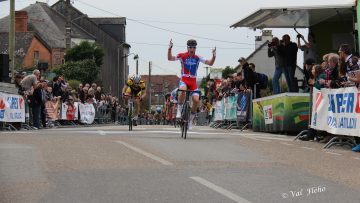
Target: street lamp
pixel 68 28
pixel 136 57
pixel 118 68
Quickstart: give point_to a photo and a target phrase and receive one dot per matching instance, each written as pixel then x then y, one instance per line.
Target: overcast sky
pixel 179 21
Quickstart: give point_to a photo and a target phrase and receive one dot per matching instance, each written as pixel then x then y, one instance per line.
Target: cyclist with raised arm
pixel 134 87
pixel 189 65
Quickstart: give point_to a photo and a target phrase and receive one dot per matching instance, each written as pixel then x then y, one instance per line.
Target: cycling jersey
pixel 134 89
pixel 133 86
pixel 189 66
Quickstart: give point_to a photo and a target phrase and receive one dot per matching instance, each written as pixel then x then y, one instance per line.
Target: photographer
pixel 276 51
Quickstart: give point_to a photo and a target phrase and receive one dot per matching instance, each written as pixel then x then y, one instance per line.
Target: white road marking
pixel 143 132
pixel 284 143
pixel 333 153
pixel 268 137
pixel 220 190
pixel 258 139
pixel 309 148
pixel 147 154
pixel 357 158
pixel 101 132
pixel 19 132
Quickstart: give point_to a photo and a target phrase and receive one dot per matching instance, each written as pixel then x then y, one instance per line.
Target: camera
pixel 299 36
pixel 271 44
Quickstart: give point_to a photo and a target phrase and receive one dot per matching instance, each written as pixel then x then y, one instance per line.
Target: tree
pixel 85 50
pixel 227 71
pixel 203 82
pixel 85 71
pixel 82 62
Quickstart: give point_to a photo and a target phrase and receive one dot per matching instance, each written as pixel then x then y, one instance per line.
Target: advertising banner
pixel 219 111
pixel 87 113
pixel 69 112
pixel 243 107
pixel 216 73
pixel 12 108
pixel 230 107
pixel 52 109
pixel 337 111
pixel 286 112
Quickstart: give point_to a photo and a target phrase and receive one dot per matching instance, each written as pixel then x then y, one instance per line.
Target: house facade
pixel 48 25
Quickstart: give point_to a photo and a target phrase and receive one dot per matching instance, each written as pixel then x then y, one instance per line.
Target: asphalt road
pixel 153 164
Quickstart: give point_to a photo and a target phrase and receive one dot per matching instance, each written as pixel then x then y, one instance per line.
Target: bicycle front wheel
pixel 185 116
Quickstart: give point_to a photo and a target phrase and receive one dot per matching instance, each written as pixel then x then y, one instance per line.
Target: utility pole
pixel 358 24
pixel 137 66
pixel 149 85
pixel 12 39
pixel 68 25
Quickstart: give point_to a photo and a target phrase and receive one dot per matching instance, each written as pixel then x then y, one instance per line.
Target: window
pixel 36 58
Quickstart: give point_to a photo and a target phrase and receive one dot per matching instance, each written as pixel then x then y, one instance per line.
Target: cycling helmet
pixel 191 43
pixel 136 78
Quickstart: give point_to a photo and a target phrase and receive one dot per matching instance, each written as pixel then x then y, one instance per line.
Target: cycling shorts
pixel 190 83
pixel 132 92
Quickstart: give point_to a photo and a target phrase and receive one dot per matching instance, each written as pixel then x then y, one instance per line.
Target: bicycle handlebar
pixel 191 91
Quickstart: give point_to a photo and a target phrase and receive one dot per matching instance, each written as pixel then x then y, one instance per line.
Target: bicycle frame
pixel 185 113
pixel 130 112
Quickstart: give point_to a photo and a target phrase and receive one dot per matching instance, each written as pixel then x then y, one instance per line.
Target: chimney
pixel 21 18
pixel 266 36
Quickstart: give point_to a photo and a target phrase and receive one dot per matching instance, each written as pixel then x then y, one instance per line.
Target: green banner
pixel 287 112
pixel 230 107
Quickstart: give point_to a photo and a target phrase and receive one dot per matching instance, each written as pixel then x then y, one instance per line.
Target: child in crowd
pixel 318 75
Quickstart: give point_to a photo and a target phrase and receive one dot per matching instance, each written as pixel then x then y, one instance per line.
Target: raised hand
pixel 170 44
pixel 214 51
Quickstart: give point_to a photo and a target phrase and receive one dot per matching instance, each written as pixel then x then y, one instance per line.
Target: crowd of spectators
pixel 335 71
pixel 44 99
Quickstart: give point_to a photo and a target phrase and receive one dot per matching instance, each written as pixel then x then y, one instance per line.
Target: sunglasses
pixel 191 47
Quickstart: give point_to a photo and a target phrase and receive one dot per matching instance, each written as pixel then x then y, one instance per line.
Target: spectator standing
pixel 58 86
pixel 332 72
pixel 98 93
pixel 29 83
pixel 276 51
pixel 309 47
pixel 248 73
pixel 36 103
pixel 290 54
pixel 348 63
pixel 256 86
pixel 308 75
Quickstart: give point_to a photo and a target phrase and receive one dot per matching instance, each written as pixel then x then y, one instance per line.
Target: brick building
pixel 44 41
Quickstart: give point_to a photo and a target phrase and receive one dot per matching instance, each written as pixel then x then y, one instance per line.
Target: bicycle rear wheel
pixel 130 117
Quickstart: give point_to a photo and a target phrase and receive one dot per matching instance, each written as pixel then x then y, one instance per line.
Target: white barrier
pixel 337 111
pixel 12 108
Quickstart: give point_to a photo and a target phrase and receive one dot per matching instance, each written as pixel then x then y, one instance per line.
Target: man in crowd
pixel 349 65
pixel 290 54
pixel 276 51
pixel 29 83
pixel 248 74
